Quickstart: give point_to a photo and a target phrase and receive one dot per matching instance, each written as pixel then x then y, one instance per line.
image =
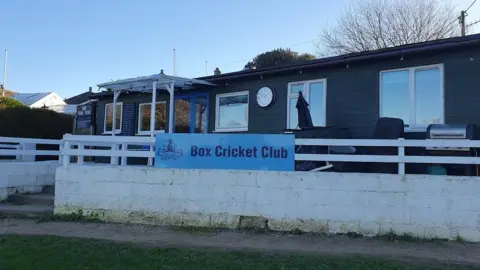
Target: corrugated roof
pixel 29 98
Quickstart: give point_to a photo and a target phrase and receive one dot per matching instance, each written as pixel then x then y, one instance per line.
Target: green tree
pixel 6 102
pixel 277 57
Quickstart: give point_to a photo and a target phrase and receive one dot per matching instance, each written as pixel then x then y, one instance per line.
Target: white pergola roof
pixel 145 83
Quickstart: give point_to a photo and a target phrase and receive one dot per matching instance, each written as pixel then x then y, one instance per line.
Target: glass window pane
pixel 295 88
pixel 233 112
pixel 144 117
pixel 201 115
pixel 316 102
pixel 395 97
pixel 293 117
pixel 182 115
pixel 428 97
pixel 109 117
pixel 160 116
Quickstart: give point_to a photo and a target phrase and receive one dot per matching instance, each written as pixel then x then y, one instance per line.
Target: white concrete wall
pixel 25 177
pixel 426 206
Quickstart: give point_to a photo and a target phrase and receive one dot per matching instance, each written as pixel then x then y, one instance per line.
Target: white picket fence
pixel 25 149
pixel 122 147
pixel 74 148
pixel 400 158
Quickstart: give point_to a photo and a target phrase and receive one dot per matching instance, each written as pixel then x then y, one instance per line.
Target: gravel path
pixel 451 252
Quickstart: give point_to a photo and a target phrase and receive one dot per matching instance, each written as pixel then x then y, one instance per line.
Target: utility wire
pixel 471 5
pixel 473 23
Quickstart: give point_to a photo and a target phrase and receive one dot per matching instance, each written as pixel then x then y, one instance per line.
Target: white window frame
pixel 140 132
pixel 217 112
pixel 306 95
pixel 118 130
pixel 411 91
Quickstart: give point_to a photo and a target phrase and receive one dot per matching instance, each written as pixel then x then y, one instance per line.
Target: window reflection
pixel 109 117
pixel 201 115
pixel 182 115
pixel 160 116
pixel 317 103
pixel 314 94
pixel 232 111
pixel 395 95
pixel 413 94
pixel 428 101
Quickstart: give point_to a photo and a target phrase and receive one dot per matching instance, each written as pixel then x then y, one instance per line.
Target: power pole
pixel 174 63
pixel 4 74
pixel 461 20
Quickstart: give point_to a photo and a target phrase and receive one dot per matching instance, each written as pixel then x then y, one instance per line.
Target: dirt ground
pixel 451 252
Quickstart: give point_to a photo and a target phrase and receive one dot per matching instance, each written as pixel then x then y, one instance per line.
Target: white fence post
pixel 60 149
pixel 65 156
pixel 81 147
pixel 150 160
pixel 401 156
pixel 124 158
pixel 28 146
pixel 19 147
pixel 114 158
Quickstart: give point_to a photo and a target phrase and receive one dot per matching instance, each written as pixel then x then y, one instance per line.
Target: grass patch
pixel 407 237
pixel 48 252
pixel 72 217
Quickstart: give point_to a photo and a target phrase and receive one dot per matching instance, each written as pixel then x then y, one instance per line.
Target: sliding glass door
pixel 191 113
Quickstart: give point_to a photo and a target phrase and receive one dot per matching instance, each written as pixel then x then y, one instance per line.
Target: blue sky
pixel 67 46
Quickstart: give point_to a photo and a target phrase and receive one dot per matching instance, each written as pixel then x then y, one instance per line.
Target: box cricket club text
pixel 225 151
pixel 239 152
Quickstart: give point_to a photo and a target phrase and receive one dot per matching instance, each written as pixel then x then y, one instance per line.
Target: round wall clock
pixel 265 97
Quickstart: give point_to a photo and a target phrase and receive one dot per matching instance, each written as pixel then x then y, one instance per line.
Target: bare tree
pixel 375 24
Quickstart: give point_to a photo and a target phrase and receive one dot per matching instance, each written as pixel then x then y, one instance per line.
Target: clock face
pixel 265 97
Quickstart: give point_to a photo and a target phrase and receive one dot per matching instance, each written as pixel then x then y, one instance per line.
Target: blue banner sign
pixel 225 151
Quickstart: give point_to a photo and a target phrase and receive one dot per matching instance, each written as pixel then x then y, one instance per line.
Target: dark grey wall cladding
pixel 352 92
pixel 350 102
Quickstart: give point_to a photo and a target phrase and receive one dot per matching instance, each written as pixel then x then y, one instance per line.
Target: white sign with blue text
pixel 225 151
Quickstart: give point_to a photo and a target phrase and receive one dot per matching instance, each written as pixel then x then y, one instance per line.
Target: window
pixel 231 112
pixel 414 95
pixel 108 119
pixel 315 93
pixel 144 112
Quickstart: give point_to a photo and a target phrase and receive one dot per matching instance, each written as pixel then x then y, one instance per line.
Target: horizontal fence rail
pixel 115 147
pixel 74 149
pixel 400 158
pixel 25 149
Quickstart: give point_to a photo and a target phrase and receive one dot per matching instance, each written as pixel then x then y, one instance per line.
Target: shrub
pixel 24 122
pixel 6 102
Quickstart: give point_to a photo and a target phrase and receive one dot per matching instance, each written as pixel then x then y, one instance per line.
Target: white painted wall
pixel 427 206
pixel 25 177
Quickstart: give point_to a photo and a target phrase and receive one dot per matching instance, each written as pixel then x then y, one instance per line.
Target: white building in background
pixel 39 100
pixel 49 100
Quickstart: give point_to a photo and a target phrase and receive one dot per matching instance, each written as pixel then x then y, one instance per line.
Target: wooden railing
pixel 74 149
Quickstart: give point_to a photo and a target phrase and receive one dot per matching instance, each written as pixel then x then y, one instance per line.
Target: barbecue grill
pixel 450 132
